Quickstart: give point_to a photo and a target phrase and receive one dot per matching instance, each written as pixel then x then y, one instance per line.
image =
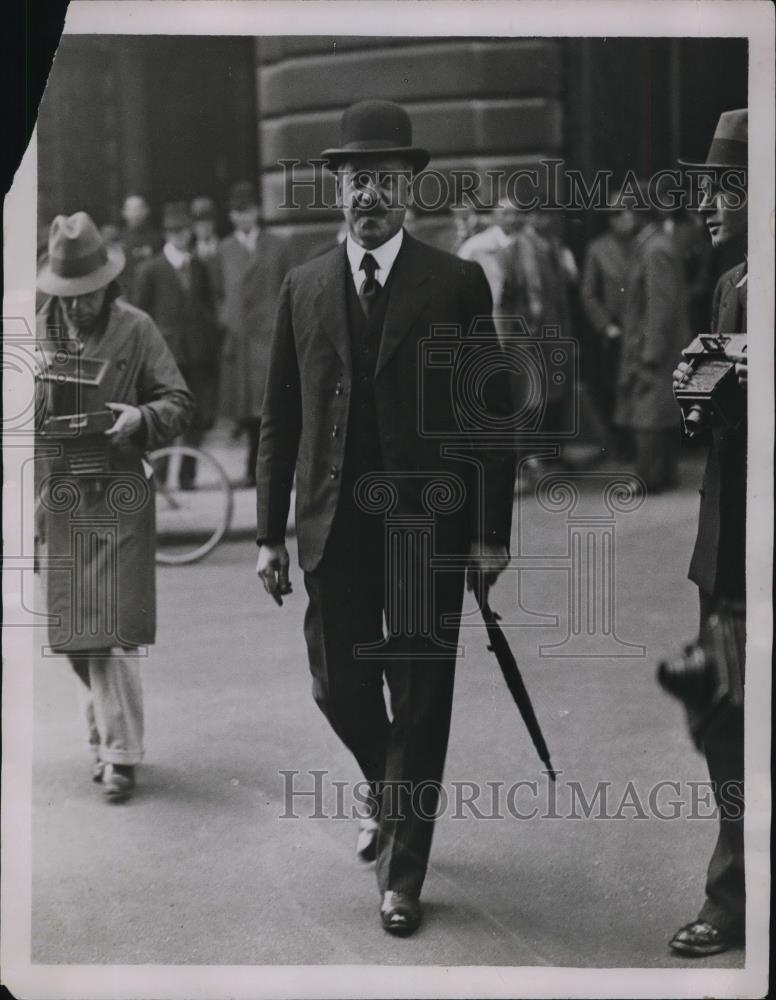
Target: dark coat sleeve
pixel 591 292
pixel 493 516
pixel 281 426
pixel 164 400
pixel 143 288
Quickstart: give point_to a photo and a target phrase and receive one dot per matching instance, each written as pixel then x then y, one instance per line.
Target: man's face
pixel 135 211
pixel 374 193
pixel 180 238
pixel 623 223
pixel 508 217
pixel 83 310
pixel 724 212
pixel 204 229
pixel 245 219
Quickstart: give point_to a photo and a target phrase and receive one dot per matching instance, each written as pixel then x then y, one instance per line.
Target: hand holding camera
pixel 709 385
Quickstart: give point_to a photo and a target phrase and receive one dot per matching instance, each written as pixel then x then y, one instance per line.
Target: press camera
pixel 708 676
pixel 711 394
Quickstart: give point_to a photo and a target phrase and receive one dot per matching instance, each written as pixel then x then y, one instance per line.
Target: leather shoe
pixel 366 845
pixel 400 913
pixel 118 781
pixel 98 769
pixel 700 938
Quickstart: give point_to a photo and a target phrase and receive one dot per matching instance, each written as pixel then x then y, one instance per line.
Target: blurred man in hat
pixel 99 524
pixel 139 239
pixel 718 565
pixel 175 290
pixel 342 402
pixel 205 249
pixel 253 263
pixel 206 241
pixel 655 325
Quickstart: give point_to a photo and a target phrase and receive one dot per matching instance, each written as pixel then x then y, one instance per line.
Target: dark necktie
pixel 370 288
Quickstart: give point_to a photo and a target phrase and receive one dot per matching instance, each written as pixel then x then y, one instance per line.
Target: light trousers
pixel 112 699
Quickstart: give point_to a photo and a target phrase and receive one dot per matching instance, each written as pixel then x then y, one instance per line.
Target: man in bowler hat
pixel 343 412
pixel 718 566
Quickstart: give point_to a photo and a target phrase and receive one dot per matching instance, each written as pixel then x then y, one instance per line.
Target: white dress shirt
pixel 385 255
pixel 178 258
pixel 248 239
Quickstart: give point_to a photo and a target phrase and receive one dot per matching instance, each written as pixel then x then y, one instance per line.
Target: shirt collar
pixel 249 239
pixel 178 258
pixel 385 255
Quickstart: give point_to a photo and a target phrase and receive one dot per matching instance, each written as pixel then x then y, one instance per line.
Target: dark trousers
pixel 657 456
pixel 401 756
pixel 725 902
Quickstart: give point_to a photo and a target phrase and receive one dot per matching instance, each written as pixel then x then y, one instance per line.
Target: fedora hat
pixel 78 262
pixel 175 215
pixel 203 208
pixel 375 128
pixel 730 145
pixel 242 196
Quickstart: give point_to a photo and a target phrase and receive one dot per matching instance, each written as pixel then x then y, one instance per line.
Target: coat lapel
pixel 331 309
pixel 407 297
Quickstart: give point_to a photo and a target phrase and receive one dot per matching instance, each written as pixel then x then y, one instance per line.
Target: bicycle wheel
pixel 194 504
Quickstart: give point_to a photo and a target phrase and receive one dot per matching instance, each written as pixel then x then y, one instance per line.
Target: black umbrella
pixel 511 671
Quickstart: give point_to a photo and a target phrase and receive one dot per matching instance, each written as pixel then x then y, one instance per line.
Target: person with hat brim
pixel 342 411
pixel 175 290
pixel 97 521
pixel 253 263
pixel 718 565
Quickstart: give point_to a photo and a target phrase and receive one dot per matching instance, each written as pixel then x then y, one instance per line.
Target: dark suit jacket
pixel 186 319
pixel 251 285
pixel 308 390
pixel 718 564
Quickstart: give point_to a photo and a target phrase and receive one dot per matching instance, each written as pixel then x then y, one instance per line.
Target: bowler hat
pixel 375 128
pixel 175 215
pixel 730 145
pixel 241 196
pixel 78 262
pixel 203 208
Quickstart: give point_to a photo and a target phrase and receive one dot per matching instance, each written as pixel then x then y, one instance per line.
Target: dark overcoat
pixel 419 396
pixel 96 533
pixel 186 318
pixel 718 565
pixel 250 283
pixel 655 329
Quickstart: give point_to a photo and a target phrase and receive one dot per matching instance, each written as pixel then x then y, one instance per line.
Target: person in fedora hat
pixel 174 288
pixel 103 610
pixel 342 403
pixel 718 565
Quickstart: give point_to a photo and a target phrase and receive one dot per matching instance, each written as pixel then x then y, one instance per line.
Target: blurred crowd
pixel 630 301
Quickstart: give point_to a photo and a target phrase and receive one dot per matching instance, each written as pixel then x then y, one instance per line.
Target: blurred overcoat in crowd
pixel 185 317
pixel 250 282
pixel 108 599
pixel 603 281
pixel 655 329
